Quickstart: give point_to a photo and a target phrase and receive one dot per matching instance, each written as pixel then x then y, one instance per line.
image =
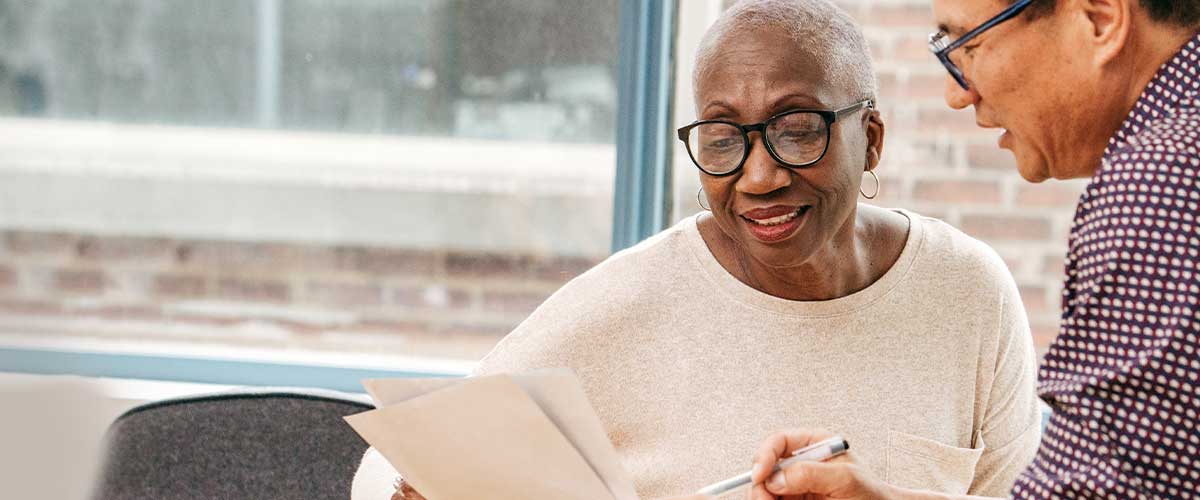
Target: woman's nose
pixel 761 174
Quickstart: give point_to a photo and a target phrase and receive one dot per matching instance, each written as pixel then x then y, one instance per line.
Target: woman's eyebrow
pixel 726 107
pixel 805 100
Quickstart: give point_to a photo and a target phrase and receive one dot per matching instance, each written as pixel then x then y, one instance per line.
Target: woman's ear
pixel 875 133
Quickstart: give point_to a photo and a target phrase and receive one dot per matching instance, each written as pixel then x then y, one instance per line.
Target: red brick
pixel 957 191
pixel 891 189
pixel 246 255
pixel 513 302
pixel 389 325
pixel 914 50
pixel 80 281
pixel 927 153
pixel 178 285
pixel 1013 263
pixel 487 265
pixel 1053 266
pixel 562 269
pixel 388 261
pixel 941 119
pixel 1049 194
pixel 124 248
pixel 990 157
pixel 914 87
pixel 37 307
pixel 497 331
pixel 1006 227
pixel 344 294
pixel 39 243
pixel 1044 333
pixel 254 290
pixel 122 312
pixel 434 296
pixel 893 16
pixel 1034 298
pixel 8 277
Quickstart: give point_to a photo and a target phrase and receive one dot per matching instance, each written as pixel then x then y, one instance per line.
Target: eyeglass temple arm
pixel 1004 15
pixel 869 103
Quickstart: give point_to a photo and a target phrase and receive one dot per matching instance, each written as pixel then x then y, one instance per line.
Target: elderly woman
pixel 788 303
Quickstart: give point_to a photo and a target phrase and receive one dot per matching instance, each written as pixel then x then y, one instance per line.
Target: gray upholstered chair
pixel 253 444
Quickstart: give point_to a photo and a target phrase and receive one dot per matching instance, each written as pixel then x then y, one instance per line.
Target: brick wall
pixel 336 298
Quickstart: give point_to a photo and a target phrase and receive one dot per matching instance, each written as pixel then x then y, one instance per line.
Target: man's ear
pixel 1108 25
pixel 875 133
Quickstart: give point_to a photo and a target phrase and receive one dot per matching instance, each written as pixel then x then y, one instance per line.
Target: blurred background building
pixel 405 177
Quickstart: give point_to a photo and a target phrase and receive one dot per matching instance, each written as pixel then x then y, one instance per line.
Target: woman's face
pixel 779 216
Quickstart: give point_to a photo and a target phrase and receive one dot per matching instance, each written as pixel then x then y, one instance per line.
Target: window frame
pixel 642 199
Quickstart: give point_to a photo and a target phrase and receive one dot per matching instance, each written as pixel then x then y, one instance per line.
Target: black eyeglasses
pixel 941 46
pixel 796 138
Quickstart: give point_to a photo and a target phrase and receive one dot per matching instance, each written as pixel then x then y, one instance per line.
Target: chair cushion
pixel 256 444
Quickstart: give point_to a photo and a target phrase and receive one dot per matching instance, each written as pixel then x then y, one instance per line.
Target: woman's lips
pixel 769 225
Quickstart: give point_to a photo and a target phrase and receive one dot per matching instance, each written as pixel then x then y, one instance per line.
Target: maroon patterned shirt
pixel 1123 376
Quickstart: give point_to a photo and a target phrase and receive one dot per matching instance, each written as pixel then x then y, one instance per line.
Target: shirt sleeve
pixel 1011 426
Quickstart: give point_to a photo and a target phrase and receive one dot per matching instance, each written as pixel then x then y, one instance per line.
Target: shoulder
pixel 956 255
pixel 590 310
pixel 1168 141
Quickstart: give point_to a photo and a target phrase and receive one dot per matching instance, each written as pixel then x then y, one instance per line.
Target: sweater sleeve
pixel 1011 427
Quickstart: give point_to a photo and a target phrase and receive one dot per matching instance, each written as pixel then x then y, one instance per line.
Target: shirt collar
pixel 1176 81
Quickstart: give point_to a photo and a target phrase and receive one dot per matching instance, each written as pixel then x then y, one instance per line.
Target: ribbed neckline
pixel 735 290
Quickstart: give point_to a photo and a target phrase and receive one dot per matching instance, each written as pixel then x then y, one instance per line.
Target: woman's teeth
pixel 775 221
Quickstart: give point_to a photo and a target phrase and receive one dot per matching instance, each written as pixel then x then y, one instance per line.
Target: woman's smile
pixel 775 223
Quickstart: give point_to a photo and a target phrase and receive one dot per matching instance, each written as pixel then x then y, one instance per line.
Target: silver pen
pixel 816 452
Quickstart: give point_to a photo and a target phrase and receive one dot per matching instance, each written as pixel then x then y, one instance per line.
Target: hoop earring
pixel 700 199
pixel 877 185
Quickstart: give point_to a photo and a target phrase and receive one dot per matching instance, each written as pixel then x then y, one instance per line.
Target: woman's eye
pixel 722 143
pixel 798 135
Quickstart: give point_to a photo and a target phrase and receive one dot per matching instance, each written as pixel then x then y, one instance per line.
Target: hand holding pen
pixel 815 452
pixel 838 477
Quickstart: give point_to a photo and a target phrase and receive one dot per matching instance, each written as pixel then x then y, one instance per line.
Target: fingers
pixel 780 445
pixel 819 478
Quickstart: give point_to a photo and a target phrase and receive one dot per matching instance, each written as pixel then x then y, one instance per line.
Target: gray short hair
pixel 826 31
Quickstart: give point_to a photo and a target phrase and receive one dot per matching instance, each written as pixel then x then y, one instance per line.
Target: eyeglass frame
pixel 942 50
pixel 830 117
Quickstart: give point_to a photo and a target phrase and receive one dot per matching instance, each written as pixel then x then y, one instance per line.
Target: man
pixel 1106 89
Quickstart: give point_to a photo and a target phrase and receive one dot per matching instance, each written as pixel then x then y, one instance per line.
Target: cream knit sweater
pixel 928 373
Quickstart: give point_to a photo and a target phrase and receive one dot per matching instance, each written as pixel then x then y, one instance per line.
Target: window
pixel 394 179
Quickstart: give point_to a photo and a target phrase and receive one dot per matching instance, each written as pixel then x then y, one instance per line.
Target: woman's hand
pixel 838 478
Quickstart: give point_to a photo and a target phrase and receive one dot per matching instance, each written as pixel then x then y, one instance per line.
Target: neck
pixel 1151 46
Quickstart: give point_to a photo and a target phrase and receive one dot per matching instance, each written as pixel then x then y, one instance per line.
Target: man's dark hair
pixel 1184 13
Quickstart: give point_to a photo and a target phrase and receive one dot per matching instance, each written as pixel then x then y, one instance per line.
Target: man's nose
pixel 958 97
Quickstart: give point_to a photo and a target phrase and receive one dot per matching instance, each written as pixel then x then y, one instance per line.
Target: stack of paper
pixel 501 437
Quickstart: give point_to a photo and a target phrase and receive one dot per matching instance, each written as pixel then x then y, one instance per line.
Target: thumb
pixel 819 478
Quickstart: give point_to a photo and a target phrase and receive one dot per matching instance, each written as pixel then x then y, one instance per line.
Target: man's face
pixel 1025 80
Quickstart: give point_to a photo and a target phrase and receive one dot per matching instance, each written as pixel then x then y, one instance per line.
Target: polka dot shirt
pixel 1123 376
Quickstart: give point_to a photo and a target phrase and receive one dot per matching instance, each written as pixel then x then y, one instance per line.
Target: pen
pixel 816 452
